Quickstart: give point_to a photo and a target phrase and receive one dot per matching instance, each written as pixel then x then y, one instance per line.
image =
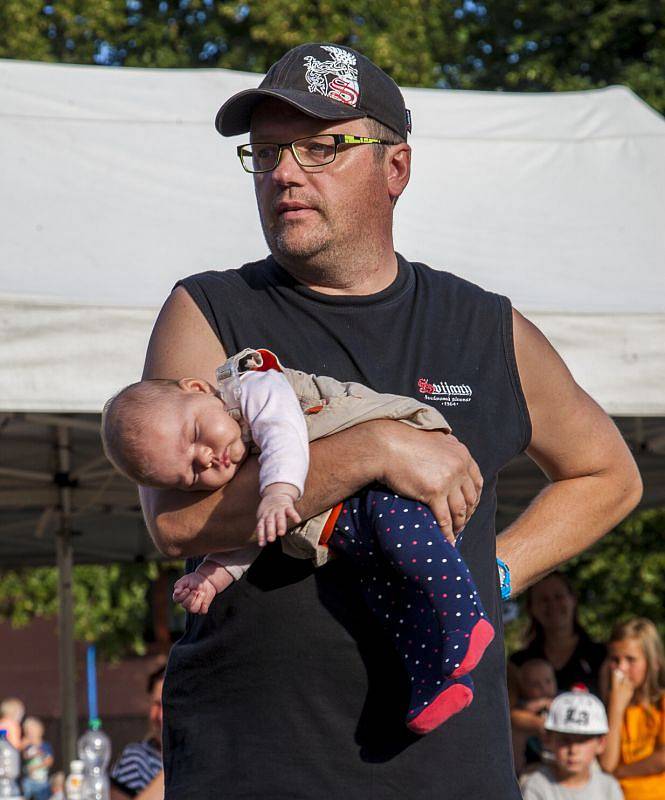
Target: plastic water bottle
pixel 10 768
pixel 75 781
pixel 94 750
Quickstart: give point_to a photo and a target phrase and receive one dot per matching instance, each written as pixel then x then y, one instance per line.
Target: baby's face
pixel 537 680
pixel 193 443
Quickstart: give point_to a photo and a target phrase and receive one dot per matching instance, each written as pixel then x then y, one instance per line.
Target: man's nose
pixel 288 170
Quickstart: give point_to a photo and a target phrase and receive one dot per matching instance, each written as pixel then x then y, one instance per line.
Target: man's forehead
pixel 277 115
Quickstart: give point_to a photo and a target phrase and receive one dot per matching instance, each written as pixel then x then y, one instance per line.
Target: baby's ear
pixel 196 385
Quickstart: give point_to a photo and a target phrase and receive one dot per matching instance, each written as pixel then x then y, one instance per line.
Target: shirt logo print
pixel 444 393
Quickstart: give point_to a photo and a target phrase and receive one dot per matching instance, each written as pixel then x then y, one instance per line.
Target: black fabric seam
pixel 511 363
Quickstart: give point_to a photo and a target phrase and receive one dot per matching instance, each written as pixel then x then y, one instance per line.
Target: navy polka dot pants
pixel 422 592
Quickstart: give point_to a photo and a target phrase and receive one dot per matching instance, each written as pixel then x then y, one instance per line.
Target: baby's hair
pixel 530 664
pixel 34 722
pixel 13 708
pixel 123 426
pixel 646 633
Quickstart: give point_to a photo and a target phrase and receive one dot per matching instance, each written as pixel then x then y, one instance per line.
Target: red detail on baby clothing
pixel 270 361
pixel 328 528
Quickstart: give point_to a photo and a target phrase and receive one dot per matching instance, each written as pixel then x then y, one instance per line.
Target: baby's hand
pixel 194 592
pixel 275 508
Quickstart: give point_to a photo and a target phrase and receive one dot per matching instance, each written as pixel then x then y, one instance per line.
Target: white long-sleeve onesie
pixel 272 414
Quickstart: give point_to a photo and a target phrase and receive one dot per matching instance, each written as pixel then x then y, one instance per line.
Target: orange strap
pixel 328 528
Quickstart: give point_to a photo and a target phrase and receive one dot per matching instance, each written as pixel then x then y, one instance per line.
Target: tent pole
pixel 66 604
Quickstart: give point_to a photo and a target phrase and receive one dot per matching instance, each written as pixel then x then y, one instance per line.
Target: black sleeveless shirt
pixel 288 689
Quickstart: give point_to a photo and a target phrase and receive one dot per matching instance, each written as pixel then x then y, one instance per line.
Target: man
pixel 140 764
pixel 287 689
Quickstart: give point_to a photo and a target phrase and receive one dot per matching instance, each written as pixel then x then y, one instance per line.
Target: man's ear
pixel 601 742
pixel 398 169
pixel 196 385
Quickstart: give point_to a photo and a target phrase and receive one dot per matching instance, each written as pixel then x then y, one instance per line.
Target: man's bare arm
pixel 595 481
pixel 434 468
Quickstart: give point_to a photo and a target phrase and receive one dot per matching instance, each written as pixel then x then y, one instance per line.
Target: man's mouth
pixel 290 209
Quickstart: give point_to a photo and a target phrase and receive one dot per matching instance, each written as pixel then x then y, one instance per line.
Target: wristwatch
pixel 504 578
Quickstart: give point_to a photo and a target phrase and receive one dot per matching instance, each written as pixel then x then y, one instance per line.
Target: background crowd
pixel 136 772
pixel 567 740
pixel 564 737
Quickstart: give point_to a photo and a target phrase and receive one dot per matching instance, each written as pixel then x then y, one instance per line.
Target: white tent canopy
pixel 116 184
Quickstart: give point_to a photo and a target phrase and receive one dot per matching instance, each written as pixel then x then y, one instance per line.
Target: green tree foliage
pixel 110 605
pixel 622 576
pixel 548 45
pixel 513 45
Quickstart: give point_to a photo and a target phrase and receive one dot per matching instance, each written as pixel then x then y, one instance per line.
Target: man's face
pixel 574 753
pixel 317 212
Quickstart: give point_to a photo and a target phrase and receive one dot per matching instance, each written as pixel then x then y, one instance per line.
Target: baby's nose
pixel 204 457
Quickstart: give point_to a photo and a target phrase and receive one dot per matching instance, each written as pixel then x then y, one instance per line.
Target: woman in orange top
pixel 635 750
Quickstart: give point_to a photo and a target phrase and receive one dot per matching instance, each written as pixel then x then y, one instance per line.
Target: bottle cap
pixel 77 766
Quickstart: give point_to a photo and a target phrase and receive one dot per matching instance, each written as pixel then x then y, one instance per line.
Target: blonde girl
pixel 635 697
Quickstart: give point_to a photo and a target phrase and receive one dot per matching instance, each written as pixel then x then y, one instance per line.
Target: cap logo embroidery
pixel 336 78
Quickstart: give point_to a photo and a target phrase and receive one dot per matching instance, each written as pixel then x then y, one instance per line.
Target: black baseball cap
pixel 325 81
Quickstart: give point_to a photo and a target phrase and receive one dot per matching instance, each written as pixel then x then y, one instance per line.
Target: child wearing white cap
pixel 576 729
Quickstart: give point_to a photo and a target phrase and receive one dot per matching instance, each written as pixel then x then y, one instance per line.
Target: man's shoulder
pixel 254 274
pixel 441 278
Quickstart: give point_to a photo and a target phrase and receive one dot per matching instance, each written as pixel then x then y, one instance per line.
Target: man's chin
pixel 290 245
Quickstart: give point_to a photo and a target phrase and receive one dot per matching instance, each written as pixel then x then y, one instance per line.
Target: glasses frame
pixel 339 138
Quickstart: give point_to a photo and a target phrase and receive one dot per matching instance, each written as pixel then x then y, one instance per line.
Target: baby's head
pixel 576 733
pixel 33 730
pixel 537 679
pixel 172 435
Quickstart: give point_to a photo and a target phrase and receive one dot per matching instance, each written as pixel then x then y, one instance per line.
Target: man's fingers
pixel 476 477
pixel 441 513
pixel 459 511
pixel 471 497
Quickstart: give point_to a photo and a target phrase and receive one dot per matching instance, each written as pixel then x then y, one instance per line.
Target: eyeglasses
pixel 311 151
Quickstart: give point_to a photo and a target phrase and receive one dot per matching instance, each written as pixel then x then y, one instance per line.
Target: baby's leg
pixel 413 544
pixel 407 535
pixel 403 611
pixel 196 590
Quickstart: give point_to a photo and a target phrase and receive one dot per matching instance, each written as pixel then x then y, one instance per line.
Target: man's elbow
pixel 632 487
pixel 167 538
pixel 167 532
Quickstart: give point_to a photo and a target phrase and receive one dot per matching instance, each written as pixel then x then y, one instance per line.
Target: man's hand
pixel 436 469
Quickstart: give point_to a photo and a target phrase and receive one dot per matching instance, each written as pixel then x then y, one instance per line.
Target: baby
pixel 190 435
pixel 537 684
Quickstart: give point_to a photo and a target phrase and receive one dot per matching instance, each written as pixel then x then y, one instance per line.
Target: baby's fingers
pixel 271 534
pixel 261 532
pixel 293 514
pixel 280 518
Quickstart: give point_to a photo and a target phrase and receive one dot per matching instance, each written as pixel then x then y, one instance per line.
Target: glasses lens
pixel 315 150
pixel 259 157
